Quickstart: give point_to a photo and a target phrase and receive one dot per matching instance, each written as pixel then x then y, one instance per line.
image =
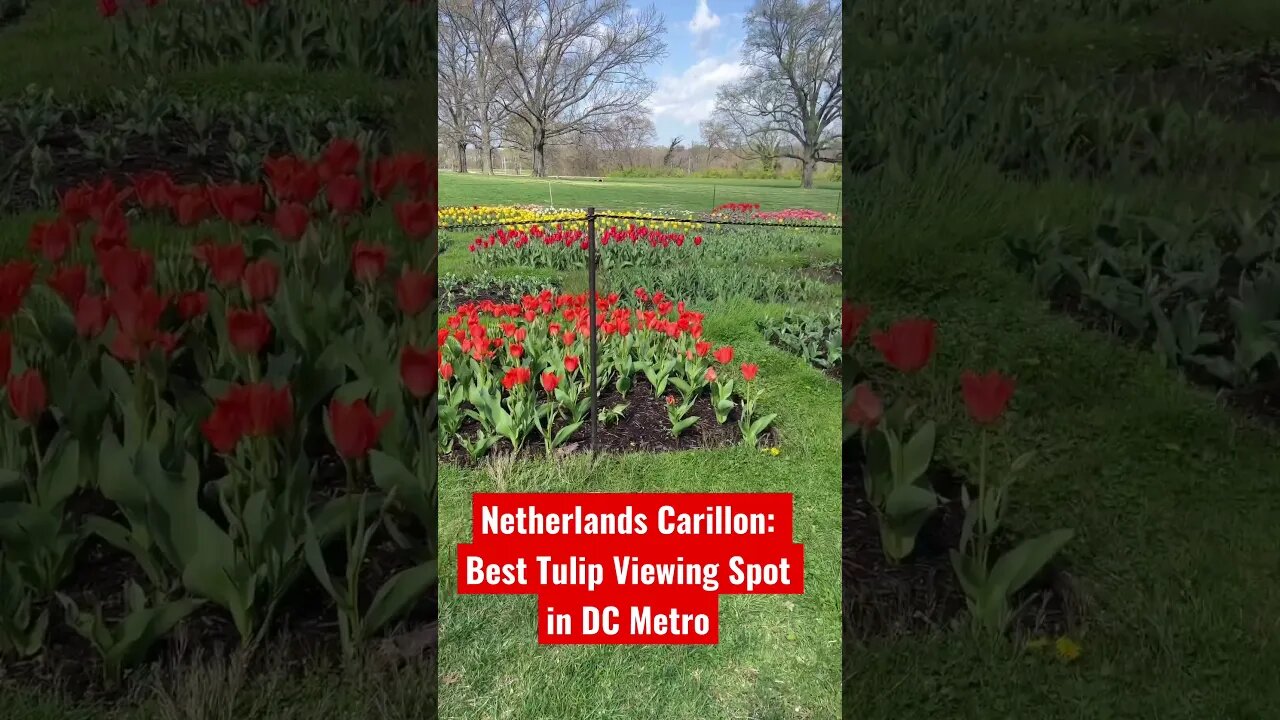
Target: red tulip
pixel 418 371
pixel 908 344
pixel 416 218
pixel 851 319
pixel 223 428
pixel 27 396
pixel 126 269
pixel 341 157
pixel 702 348
pixel 385 176
pixel 516 350
pixel 192 206
pixel 711 374
pixel 92 313
pixel 291 220
pixel 192 304
pixel 986 396
pixel 723 355
pixel 414 291
pixel 261 280
pixel 749 371
pixel 112 230
pixel 516 376
pixel 264 409
pixel 570 363
pixel 446 371
pixel 418 174
pixel 355 427
pixel 867 408
pixel 550 381
pixel 137 315
pixel 368 261
pixel 345 194
pixel 155 190
pixel 69 282
pixel 238 204
pixel 108 8
pixel 16 277
pixel 249 330
pixel 6 356
pixel 226 262
pixel 282 173
pixel 52 239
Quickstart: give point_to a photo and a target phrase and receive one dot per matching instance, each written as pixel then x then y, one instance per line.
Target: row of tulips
pixel 898 449
pixel 516 369
pixel 199 396
pixel 384 38
pixel 513 216
pixel 563 249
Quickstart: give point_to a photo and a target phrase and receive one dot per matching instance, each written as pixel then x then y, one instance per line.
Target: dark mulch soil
pixel 1245 90
pixel 833 274
pixel 644 427
pixel 169 153
pixel 467 292
pixel 921 593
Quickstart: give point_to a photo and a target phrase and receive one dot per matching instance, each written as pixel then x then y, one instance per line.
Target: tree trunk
pixel 806 176
pixel 539 153
pixel 462 157
pixel 486 150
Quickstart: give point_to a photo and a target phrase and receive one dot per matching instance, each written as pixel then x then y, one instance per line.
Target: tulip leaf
pixel 61 477
pixel 398 595
pixel 1017 567
pixel 918 453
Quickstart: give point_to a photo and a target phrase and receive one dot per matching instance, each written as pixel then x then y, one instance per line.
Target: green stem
pixel 983 540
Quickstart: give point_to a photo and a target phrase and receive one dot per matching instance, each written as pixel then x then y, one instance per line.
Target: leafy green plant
pixel 814 337
pixel 126 643
pixel 395 597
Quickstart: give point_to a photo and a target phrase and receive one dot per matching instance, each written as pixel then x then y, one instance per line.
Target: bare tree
pixel 474 29
pixel 456 66
pixel 716 135
pixel 624 134
pixel 793 84
pixel 570 65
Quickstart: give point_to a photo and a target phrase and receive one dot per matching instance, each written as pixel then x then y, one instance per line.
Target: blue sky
pixel 703 41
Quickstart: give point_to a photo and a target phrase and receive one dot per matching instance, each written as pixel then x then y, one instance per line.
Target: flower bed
pixel 57 144
pixel 456 290
pixel 1201 290
pixel 921 542
pixel 386 38
pixel 234 438
pixel 816 338
pixel 514 376
pixel 565 249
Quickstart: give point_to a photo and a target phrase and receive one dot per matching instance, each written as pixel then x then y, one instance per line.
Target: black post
pixel 591 305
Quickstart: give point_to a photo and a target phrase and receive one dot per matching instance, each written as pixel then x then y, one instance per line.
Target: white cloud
pixel 703 19
pixel 690 97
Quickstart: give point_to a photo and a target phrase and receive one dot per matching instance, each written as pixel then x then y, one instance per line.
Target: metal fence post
pixel 591 306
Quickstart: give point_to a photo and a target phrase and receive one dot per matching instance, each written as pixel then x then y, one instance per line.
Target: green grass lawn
pixel 650 194
pixel 778 656
pixel 1172 496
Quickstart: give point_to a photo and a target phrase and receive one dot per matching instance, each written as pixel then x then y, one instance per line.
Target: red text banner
pixel 630 568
